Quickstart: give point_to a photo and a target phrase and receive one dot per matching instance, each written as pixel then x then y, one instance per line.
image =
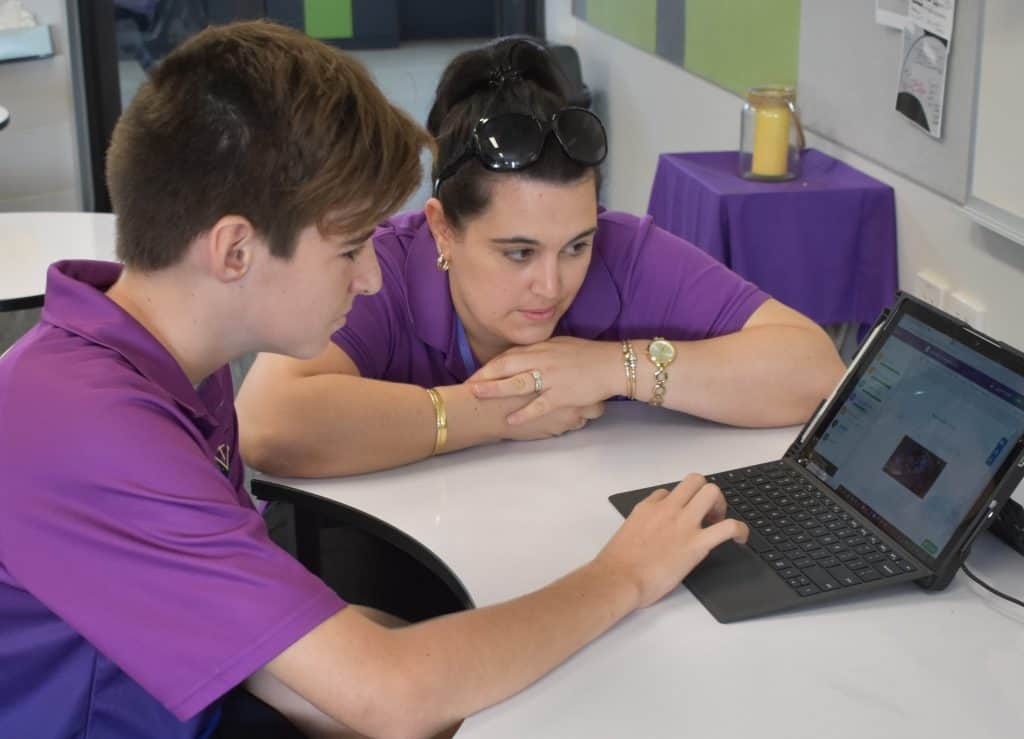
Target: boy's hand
pixel 667 535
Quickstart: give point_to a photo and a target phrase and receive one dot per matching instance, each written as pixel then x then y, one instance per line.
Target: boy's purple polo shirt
pixel 642 282
pixel 137 581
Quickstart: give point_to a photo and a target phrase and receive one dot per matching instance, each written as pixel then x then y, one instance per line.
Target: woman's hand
pixel 563 373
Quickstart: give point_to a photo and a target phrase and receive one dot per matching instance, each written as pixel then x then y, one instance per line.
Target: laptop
pixel 890 481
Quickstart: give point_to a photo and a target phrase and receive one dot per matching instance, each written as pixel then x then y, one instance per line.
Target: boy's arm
pixel 419 679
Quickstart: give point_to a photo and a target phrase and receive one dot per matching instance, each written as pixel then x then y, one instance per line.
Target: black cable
pixel 989 588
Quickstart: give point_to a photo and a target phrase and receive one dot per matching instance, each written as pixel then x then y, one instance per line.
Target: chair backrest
pixel 365 560
pixel 244 716
pixel 569 61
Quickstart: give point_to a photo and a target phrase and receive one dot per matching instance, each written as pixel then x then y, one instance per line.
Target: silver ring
pixel 538 383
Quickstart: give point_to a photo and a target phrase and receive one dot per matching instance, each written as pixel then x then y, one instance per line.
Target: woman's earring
pixel 442 262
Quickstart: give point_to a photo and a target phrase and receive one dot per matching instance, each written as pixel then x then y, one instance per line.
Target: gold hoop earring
pixel 442 262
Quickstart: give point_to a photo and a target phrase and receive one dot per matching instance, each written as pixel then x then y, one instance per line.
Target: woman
pixel 521 306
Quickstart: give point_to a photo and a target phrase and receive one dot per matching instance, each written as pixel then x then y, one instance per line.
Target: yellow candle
pixel 771 141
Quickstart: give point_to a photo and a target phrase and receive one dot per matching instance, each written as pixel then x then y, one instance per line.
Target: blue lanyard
pixel 468 360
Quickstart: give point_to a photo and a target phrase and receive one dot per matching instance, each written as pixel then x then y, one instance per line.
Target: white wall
pixel 651 106
pixel 38 151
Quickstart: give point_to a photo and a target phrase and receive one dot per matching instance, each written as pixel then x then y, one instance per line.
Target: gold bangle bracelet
pixel 440 421
pixel 629 361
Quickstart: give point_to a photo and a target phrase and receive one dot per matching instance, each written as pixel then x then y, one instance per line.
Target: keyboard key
pixel 828 562
pixel 771 556
pixel 837 548
pixel 905 566
pixel 818 531
pixel 808 590
pixel 856 563
pixel 827 539
pixel 868 575
pixel 818 554
pixel 843 576
pixel 781 564
pixel 758 543
pixel 788 546
pixel 821 578
pixel 864 549
pixel 789 572
pixel 887 568
pixel 802 562
pixel 798 582
pixel 847 556
pixel 874 557
pixel 854 541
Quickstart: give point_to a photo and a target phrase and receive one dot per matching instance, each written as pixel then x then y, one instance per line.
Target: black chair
pixel 569 62
pixel 244 716
pixel 364 559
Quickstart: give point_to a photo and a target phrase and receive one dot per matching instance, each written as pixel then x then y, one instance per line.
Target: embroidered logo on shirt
pixel 223 458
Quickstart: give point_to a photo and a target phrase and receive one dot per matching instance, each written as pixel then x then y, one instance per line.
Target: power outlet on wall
pixel 931 288
pixel 966 308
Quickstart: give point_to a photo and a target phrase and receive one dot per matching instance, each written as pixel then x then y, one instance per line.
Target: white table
pixel 511 517
pixel 30 242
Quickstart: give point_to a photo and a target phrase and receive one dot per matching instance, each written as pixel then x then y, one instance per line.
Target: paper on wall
pixel 925 59
pixel 892 13
pixel 14 15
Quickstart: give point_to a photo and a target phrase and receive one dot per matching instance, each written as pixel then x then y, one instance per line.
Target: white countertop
pixel 512 517
pixel 30 242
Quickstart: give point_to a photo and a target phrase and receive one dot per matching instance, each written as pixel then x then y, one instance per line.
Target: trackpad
pixel 734 583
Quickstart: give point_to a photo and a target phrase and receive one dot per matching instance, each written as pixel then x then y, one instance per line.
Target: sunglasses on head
pixel 513 141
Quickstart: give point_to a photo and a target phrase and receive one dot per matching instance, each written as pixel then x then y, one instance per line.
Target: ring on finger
pixel 538 382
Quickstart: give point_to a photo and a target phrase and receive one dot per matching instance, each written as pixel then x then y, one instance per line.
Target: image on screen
pixel 914 467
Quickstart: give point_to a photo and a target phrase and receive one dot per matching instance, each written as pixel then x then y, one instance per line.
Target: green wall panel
pixel 329 18
pixel 635 22
pixel 739 44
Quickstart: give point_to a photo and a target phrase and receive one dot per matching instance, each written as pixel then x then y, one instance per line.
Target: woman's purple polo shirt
pixel 642 282
pixel 137 581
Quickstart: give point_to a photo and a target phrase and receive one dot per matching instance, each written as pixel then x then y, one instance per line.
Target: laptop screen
pixel 921 434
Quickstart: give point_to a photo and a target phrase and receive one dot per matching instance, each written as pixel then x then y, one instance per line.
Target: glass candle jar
pixel 771 137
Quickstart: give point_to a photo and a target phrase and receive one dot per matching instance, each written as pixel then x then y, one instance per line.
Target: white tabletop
pixel 30 242
pixel 510 518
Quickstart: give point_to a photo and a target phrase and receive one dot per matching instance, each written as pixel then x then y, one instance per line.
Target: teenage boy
pixel 137 582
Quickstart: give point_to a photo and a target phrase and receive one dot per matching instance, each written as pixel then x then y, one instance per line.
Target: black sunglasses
pixel 513 141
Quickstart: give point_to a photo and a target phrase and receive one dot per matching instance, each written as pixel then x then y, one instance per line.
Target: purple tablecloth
pixel 824 244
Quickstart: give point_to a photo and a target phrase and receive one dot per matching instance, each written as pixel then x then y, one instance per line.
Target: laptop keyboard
pixel 809 540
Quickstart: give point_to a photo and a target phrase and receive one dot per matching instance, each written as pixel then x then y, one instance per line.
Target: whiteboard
pixel 997 184
pixel 849 69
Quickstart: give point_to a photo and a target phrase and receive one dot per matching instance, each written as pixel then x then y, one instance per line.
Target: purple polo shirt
pixel 137 581
pixel 642 282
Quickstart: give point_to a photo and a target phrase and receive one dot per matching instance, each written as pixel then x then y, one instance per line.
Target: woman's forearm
pixel 762 376
pixel 333 424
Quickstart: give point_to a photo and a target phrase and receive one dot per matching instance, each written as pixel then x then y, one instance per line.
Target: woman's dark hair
pixel 514 74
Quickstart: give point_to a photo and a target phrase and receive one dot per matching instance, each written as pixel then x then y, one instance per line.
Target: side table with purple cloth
pixel 824 244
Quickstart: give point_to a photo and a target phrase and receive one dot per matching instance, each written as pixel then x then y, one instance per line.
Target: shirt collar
pixel 76 301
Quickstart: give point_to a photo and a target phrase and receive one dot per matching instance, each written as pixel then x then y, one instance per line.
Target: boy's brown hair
pixel 257 120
